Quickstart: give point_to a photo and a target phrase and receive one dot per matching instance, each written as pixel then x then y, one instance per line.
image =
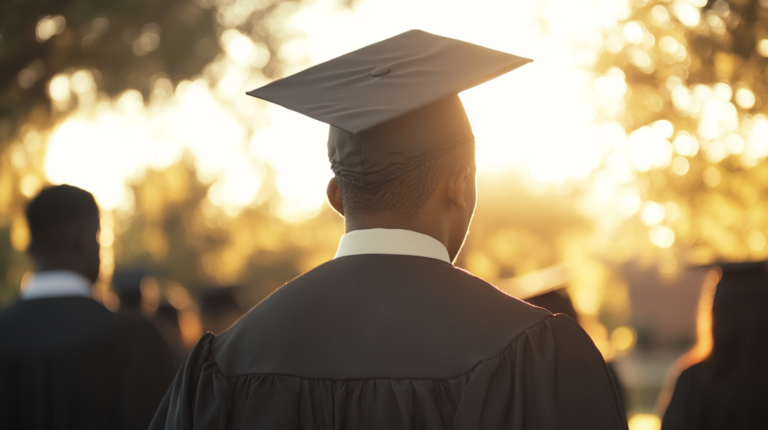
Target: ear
pixel 334 196
pixel 78 240
pixel 458 182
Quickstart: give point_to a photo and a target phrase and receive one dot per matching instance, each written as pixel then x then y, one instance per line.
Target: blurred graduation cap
pixel 218 300
pixel 537 283
pixel 544 288
pixel 741 281
pixel 126 284
pixel 392 106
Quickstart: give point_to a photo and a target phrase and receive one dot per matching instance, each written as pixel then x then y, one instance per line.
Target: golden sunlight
pixel 540 120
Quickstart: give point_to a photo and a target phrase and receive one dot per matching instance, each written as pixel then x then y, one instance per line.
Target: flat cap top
pixel 391 78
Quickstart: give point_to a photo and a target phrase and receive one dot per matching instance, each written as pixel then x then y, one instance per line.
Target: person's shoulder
pixel 695 369
pixel 415 294
pixel 694 377
pixel 473 291
pixel 71 308
pixel 58 323
pixel 441 282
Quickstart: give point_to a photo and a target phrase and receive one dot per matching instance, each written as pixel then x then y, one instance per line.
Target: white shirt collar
pixel 391 241
pixel 55 283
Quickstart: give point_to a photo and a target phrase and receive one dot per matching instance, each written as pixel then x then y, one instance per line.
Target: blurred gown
pixel 68 362
pixel 393 342
pixel 737 400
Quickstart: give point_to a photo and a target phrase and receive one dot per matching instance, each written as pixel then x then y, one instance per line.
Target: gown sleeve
pixel 177 409
pixel 551 377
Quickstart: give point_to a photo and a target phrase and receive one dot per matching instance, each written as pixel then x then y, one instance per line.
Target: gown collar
pixel 391 241
pixel 55 283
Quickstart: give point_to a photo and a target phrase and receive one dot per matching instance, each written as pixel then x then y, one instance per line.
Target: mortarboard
pixel 742 281
pixel 537 283
pixel 392 106
pixel 127 283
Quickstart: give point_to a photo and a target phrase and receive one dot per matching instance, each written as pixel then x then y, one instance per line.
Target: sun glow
pixel 540 120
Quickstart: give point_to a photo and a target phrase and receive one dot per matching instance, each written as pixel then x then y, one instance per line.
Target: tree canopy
pixel 693 74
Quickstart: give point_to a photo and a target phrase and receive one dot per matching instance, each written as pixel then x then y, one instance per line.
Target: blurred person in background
pixel 127 286
pixel 65 360
pixel 389 334
pixel 218 308
pixel 166 320
pixel 724 384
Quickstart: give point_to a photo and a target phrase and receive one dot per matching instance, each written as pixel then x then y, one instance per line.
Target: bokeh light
pixel 512 116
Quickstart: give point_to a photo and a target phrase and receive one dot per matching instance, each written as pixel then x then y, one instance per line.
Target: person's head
pixel 219 309
pixel 126 283
pixel 739 318
pixel 400 142
pixel 437 198
pixel 64 223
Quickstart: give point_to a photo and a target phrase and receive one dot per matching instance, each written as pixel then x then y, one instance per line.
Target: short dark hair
pixel 405 195
pixel 55 210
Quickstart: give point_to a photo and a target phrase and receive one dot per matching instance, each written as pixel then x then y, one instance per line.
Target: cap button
pixel 380 71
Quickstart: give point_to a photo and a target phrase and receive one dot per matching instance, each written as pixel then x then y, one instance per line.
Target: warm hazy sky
pixel 539 119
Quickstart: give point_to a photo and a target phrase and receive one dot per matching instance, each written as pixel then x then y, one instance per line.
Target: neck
pixel 47 265
pixel 435 227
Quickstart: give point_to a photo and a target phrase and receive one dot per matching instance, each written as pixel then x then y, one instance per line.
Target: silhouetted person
pixel 166 320
pixel 559 302
pixel 729 388
pixel 389 334
pixel 127 286
pixel 65 360
pixel 219 309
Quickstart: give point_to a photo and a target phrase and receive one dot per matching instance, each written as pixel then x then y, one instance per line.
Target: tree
pixel 695 76
pixel 175 231
pixel 122 44
pixel 63 57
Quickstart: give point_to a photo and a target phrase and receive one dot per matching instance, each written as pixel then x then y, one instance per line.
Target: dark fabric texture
pixel 69 363
pixel 393 342
pixel 737 400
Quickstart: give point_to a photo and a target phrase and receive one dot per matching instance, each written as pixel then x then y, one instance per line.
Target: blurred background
pixel 627 156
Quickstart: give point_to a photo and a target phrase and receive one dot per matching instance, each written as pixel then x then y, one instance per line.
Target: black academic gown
pixel 69 363
pixel 393 342
pixel 737 400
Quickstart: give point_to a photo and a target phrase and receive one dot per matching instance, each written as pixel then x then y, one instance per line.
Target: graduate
pixel 728 389
pixel 389 334
pixel 66 362
pixel 547 288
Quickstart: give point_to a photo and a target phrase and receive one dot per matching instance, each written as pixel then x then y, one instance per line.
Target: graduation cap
pixel 742 281
pixel 392 106
pixel 537 283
